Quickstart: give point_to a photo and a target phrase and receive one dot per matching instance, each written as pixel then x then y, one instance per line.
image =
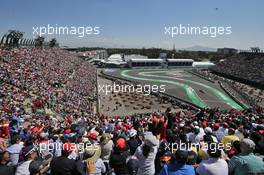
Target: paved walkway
pixel 126 103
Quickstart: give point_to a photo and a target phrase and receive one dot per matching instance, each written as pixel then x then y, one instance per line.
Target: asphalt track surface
pixel 181 84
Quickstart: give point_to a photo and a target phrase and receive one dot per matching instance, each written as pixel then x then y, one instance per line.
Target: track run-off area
pixel 181 84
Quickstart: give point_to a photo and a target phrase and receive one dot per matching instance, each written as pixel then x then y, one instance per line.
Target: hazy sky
pixel 139 23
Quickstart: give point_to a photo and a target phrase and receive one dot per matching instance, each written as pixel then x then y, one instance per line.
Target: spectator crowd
pixel 247 94
pixel 51 78
pixel 70 140
pixel 244 67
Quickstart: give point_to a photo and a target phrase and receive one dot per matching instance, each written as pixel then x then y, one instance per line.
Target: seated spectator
pixel 197 134
pixel 229 139
pixel 209 133
pixel 3 144
pixel 162 150
pixel 218 132
pixel 192 158
pixel 223 130
pixel 259 141
pixel 132 165
pixel 64 165
pixel 246 162
pixel 92 156
pixel 215 165
pixel 178 165
pixel 6 169
pixel 235 149
pixel 165 159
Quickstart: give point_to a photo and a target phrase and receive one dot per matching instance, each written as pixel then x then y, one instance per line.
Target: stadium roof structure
pixel 203 64
pixel 115 57
pixel 116 63
pixel 145 60
pixel 180 60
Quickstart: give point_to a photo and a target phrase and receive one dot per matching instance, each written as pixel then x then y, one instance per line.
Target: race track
pixel 181 84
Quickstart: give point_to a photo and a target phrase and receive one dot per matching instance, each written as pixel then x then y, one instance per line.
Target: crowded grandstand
pixel 51 121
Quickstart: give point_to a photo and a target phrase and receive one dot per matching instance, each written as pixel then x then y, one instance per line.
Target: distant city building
pixel 179 62
pixel 140 61
pixel 163 55
pixel 134 56
pixel 95 54
pixel 114 60
pixel 102 54
pixel 226 51
pixel 202 64
pixel 173 48
pixel 255 49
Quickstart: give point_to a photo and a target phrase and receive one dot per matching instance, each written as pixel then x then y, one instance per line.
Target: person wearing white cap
pixel 197 133
pixel 209 132
pixel 133 141
pixel 146 154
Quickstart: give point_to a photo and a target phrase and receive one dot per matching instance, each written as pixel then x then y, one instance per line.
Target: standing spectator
pixel 106 146
pixel 133 141
pixel 146 154
pixel 162 150
pixel 29 153
pixel 118 157
pixel 15 149
pixel 170 118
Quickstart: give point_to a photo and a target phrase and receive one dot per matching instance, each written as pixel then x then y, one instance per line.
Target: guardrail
pixel 233 97
pixel 201 76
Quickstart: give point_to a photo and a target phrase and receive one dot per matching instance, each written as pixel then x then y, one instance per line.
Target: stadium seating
pixel 246 68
